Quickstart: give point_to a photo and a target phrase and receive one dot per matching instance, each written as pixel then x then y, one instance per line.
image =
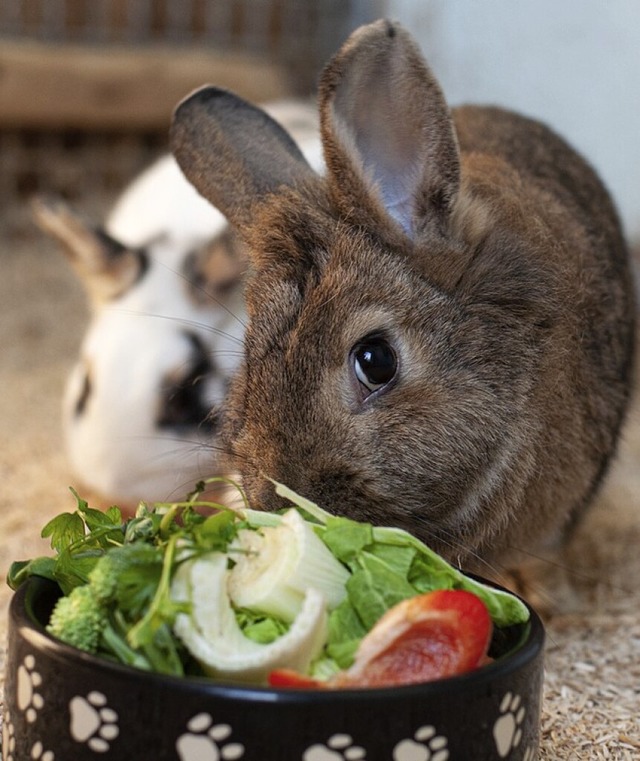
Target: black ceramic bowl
pixel 65 705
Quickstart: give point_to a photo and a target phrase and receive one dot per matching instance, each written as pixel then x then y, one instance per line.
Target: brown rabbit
pixel 441 329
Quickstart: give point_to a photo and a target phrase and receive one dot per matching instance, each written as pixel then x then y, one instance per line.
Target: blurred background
pixel 87 86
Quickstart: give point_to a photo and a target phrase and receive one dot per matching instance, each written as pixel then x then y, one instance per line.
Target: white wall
pixel 575 64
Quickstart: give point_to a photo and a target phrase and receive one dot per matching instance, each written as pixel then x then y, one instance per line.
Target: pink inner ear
pixel 371 126
pixel 386 114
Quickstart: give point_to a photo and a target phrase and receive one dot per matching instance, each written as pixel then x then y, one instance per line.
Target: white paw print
pixel 93 722
pixel 40 754
pixel 205 741
pixel 8 738
pixel 29 699
pixel 426 745
pixel 339 747
pixel 9 747
pixel 507 730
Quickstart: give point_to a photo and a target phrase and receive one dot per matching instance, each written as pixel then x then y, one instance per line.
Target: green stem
pixel 143 631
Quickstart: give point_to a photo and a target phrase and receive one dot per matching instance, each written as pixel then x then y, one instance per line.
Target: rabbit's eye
pixel 374 363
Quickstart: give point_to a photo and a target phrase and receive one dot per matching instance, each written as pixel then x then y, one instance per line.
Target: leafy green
pixel 64 530
pixel 375 587
pixel 79 539
pixel 161 609
pixel 400 554
pixel 116 578
pixel 116 575
pixel 345 632
pixel 20 570
pixel 346 538
pixel 260 627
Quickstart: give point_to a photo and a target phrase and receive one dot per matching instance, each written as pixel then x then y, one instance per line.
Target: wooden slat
pixel 47 86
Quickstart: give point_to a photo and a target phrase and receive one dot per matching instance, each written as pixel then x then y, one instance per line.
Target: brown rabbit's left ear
pixel 233 153
pixel 388 136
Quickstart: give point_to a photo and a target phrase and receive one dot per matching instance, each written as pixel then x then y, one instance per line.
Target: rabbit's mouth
pixel 351 495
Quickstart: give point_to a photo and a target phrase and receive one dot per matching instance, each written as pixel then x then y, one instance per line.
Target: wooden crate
pixel 87 87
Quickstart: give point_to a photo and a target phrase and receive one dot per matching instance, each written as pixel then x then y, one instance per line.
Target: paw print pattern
pixel 40 754
pixel 8 739
pixel 30 701
pixel 426 745
pixel 93 722
pixel 507 730
pixel 205 741
pixel 339 747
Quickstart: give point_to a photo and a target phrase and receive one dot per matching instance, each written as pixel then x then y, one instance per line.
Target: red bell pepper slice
pixel 431 636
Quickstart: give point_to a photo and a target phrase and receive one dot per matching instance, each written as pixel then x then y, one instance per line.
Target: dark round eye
pixel 374 362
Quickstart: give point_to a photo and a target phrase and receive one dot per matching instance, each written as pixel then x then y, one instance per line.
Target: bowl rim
pixel 22 617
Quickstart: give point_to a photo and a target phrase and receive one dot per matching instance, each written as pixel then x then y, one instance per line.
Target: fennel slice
pixel 265 561
pixel 213 637
pixel 317 567
pixel 277 565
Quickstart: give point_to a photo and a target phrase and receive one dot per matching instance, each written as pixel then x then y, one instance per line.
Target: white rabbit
pixel 164 285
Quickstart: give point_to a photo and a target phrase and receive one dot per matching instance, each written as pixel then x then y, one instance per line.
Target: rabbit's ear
pixel 388 135
pixel 234 153
pixel 106 268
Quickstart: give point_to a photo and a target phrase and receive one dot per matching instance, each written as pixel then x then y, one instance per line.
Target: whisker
pixel 495 570
pixel 571 571
pixel 179 440
pixel 182 321
pixel 202 290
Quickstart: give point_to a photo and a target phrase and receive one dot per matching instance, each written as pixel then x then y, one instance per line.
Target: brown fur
pixel 486 251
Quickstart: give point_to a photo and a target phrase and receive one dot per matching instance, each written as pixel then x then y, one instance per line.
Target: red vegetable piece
pixel 431 636
pixel 290 679
pixel 421 639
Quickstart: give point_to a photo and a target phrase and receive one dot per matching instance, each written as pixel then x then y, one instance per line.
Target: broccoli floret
pixel 123 571
pixel 119 578
pixel 103 577
pixel 99 616
pixel 78 619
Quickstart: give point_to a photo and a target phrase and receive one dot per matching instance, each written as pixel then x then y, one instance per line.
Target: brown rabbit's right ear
pixel 390 145
pixel 105 267
pixel 233 153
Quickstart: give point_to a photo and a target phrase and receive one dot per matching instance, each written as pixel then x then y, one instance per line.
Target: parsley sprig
pixel 127 566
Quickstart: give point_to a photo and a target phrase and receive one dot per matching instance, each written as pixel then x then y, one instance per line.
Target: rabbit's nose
pixel 262 495
pixel 183 406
